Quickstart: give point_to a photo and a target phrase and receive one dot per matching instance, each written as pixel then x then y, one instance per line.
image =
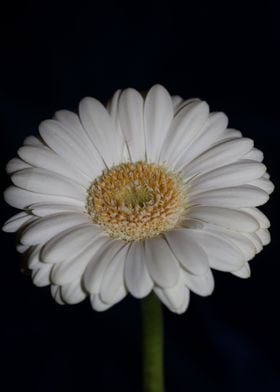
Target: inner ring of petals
pixel 134 201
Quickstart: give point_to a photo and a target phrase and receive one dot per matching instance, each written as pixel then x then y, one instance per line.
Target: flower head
pixel 149 193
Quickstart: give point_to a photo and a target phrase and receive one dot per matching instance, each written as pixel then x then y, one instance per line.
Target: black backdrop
pixel 52 55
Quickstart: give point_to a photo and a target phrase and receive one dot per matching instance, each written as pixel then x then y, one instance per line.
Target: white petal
pixel 255 155
pixel 100 306
pixel 222 254
pixel 16 222
pixel 185 103
pixel 176 102
pixel 184 127
pixel 235 174
pixel 200 284
pixel 242 196
pixel 188 252
pixel 158 115
pixel 244 244
pixel 69 243
pixel 95 270
pixel 209 134
pixel 42 181
pixel 43 229
pixel 68 270
pixel 20 198
pixel 73 293
pixel 15 165
pixel 179 103
pixel 33 141
pixel 161 263
pixel 71 149
pixel 231 134
pixel 130 114
pixel 113 107
pixel 264 184
pixel 221 265
pixel 73 125
pixel 97 304
pixel 137 278
pixel 243 272
pixel 113 277
pixel 264 236
pixel 259 216
pixel 101 131
pixel 238 239
pixel 46 159
pixel 40 271
pixel 255 241
pixel 56 294
pixel 22 248
pixel 33 257
pixel 44 209
pixel 192 224
pixel 218 155
pixel 41 276
pixel 175 298
pixel 225 217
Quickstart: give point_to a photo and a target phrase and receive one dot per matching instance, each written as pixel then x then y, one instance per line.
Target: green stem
pixel 152 344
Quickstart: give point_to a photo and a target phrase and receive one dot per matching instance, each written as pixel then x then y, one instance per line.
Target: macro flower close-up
pixel 149 193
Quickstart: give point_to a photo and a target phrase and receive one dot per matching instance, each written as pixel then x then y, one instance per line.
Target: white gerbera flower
pixel 146 194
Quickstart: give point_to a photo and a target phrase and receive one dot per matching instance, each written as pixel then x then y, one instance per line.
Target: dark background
pixel 52 55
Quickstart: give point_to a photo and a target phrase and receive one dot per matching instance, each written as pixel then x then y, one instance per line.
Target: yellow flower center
pixel 133 201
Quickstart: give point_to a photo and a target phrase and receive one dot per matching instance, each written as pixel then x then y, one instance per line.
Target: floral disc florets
pixel 134 201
